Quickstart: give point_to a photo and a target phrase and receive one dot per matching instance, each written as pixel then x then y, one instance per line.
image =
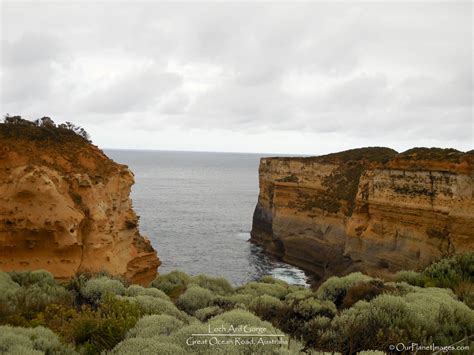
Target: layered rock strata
pixel 65 207
pixel 371 209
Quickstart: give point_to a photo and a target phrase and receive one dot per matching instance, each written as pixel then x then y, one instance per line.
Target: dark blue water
pixel 197 208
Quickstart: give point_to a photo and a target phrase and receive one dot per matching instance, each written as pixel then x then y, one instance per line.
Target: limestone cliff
pixel 368 209
pixel 65 207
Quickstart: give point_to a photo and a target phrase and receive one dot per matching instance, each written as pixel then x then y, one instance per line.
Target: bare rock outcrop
pixel 369 209
pixel 65 207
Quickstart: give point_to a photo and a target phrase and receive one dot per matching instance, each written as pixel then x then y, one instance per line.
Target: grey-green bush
pixel 153 305
pixel 204 314
pixel 136 290
pixel 150 326
pixel 334 289
pixel 218 285
pixel 95 289
pixel 16 339
pixel 194 298
pixel 169 282
pixel 261 288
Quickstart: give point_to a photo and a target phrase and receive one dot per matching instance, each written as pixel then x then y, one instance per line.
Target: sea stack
pixel 371 209
pixel 65 207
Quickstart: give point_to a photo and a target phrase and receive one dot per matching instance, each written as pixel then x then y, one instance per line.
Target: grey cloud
pixel 363 70
pixel 135 92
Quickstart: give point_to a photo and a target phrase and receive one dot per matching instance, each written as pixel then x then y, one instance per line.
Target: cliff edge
pixel 65 207
pixel 370 209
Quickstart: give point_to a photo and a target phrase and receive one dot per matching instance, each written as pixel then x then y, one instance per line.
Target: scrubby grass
pixel 98 314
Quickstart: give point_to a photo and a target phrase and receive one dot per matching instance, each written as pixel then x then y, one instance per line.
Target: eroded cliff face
pixel 370 209
pixel 65 207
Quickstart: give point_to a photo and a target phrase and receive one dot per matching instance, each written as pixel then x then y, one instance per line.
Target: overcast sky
pixel 305 78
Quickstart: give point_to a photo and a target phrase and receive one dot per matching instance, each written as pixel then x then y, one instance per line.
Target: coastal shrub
pixel 218 285
pixel 204 314
pixel 298 295
pixel 251 324
pixel 173 283
pixel 261 288
pixel 135 346
pixel 181 336
pixel 364 291
pixel 194 298
pixel 95 289
pixel 298 317
pixel 136 290
pixel 37 277
pixel 449 272
pixel 241 299
pixel 266 307
pixel 153 305
pixel 150 326
pixel 94 331
pixel 38 340
pixel 271 280
pixel 427 315
pixel 410 277
pixel 7 295
pixel 36 297
pixel 334 289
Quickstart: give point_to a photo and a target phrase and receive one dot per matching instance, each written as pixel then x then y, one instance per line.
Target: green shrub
pixel 365 291
pixel 150 326
pixel 334 289
pixel 8 287
pixel 206 313
pixel 410 277
pixel 173 283
pixel 36 297
pixel 135 346
pixel 271 280
pixel 153 305
pixel 136 290
pixel 181 336
pixel 194 298
pixel 425 315
pixel 218 285
pixel 449 272
pixel 37 277
pixel 266 307
pixel 98 330
pixel 14 340
pixel 241 298
pixel 298 295
pixel 261 288
pixel 97 288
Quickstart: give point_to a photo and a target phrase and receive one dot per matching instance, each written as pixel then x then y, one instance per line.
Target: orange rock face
pixel 370 209
pixel 65 208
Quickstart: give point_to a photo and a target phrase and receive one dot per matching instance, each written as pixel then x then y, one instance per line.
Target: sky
pixel 292 78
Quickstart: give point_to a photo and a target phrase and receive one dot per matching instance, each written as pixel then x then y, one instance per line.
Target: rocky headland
pixel 65 206
pixel 371 209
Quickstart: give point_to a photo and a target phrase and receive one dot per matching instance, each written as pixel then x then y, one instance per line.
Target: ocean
pixel 196 208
